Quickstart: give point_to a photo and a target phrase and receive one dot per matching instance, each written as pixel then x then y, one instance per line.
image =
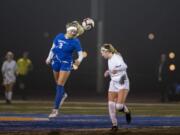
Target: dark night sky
pixel 32 24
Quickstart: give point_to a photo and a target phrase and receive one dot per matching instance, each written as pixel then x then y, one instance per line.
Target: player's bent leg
pixel 122 95
pixel 62 78
pixel 63 99
pixel 123 108
pixel 120 105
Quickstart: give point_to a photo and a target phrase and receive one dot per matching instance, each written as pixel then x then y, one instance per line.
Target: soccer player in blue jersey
pixel 61 60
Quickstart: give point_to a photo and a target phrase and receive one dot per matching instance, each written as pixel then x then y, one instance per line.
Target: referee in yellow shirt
pixel 24 65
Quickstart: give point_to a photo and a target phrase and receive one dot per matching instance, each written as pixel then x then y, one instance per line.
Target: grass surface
pixel 94 108
pixel 100 108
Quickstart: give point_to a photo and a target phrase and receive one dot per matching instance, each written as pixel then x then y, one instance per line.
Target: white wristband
pixel 80 56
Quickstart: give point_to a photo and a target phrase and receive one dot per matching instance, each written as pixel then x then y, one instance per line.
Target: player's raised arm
pixel 80 54
pixel 50 55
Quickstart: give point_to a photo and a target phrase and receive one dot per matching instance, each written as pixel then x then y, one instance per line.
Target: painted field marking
pixel 22 119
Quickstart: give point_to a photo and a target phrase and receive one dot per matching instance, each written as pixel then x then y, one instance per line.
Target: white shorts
pixel 115 86
pixel 9 80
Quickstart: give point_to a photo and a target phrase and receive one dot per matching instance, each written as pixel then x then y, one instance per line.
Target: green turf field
pixel 97 108
pixel 69 107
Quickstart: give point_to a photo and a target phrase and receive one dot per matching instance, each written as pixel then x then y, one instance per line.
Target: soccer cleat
pixel 114 129
pixel 128 117
pixel 54 113
pixel 63 98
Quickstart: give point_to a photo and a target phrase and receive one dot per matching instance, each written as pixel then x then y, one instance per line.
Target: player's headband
pixel 72 28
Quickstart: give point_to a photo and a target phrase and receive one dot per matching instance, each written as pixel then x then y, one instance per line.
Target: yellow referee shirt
pixel 23 66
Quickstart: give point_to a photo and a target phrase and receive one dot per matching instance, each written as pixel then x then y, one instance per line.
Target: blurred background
pixel 140 30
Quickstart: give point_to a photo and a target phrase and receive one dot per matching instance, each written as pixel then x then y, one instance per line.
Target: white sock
pixel 123 107
pixel 6 94
pixel 9 95
pixel 112 112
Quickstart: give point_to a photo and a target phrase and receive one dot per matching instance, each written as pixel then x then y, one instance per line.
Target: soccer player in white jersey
pixel 9 78
pixel 119 84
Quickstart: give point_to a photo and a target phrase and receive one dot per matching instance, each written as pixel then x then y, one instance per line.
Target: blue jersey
pixel 64 48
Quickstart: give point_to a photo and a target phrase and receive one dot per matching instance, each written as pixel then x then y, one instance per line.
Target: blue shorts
pixel 61 65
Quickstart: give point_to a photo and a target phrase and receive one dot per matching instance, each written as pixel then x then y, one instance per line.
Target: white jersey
pixel 8 71
pixel 117 64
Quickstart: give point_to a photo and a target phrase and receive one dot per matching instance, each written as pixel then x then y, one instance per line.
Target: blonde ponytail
pixel 110 48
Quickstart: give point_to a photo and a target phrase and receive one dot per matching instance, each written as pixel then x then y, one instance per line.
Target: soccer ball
pixel 87 23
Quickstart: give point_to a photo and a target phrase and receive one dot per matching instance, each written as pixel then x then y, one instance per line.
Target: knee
pixel 60 82
pixel 119 107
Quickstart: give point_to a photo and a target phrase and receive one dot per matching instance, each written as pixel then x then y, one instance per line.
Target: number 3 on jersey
pixel 60 45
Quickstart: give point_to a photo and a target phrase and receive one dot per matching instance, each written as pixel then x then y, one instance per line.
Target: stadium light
pixel 172 55
pixel 172 67
pixel 151 36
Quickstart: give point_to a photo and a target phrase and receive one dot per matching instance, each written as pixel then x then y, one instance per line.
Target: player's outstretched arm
pixel 79 60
